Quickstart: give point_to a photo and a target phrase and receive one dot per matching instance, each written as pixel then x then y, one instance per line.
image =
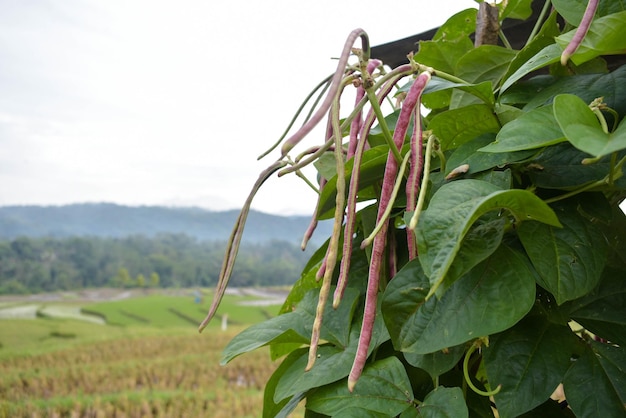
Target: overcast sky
pixel 149 102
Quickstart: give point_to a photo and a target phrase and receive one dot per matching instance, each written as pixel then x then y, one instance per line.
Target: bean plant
pixel 477 265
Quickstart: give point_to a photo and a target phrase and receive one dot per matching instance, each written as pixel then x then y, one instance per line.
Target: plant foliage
pixel 487 268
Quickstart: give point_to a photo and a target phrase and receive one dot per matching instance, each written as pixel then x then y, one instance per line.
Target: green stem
pixel 469 353
pixel 539 22
pixel 611 171
pixel 396 187
pixel 371 95
pixel 504 40
pixel 590 186
pixel 305 178
pixel 442 74
pixel 422 196
pixel 324 83
pixel 601 118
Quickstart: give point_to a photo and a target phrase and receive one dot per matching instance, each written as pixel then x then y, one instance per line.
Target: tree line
pixel 32 265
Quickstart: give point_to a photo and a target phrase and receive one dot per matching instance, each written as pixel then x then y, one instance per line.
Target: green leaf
pixel 549 409
pixel 442 402
pixel 332 364
pixel 270 408
pixel 541 90
pixel 596 385
pixel 383 388
pixel 516 9
pixel 548 55
pixel 471 154
pixel 493 296
pixel 571 10
pixel 535 129
pixel 544 38
pixel 295 327
pixel 569 260
pixel 458 26
pixel 453 210
pixel 278 329
pixel 603 311
pixel 457 126
pixel 326 165
pixel 604 37
pixel 528 361
pixel 436 363
pixel 479 243
pixel 371 171
pixel 582 128
pixel 483 91
pixel 559 167
pixel 442 54
pixel 484 63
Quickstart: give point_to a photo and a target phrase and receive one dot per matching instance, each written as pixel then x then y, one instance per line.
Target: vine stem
pixel 469 353
pixel 422 195
pixel 542 16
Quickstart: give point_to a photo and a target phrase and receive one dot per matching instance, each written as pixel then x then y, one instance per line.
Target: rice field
pixel 143 359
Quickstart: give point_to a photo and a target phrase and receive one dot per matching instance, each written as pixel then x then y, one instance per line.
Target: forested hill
pixel 107 220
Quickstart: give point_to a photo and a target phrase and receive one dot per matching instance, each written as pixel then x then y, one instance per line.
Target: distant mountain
pixel 111 220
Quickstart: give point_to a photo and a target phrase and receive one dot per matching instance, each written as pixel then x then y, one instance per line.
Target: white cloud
pixel 148 102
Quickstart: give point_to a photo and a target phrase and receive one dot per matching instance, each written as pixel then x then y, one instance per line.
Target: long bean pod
pixel 234 242
pixel 378 247
pixel 335 85
pixel 353 190
pixel 581 31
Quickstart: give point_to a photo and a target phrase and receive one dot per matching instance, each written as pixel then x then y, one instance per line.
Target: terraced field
pixel 137 356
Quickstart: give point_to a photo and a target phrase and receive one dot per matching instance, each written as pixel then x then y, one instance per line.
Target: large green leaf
pixel 471 154
pixel 493 296
pixel 573 10
pixel 453 210
pixel 383 388
pixel 535 129
pixel 606 35
pixel 516 9
pixel 544 38
pixel 436 363
pixel 484 63
pixel 273 409
pixel 529 361
pixel 457 126
pixel 442 54
pixel 295 327
pixel 332 363
pixel 582 128
pixel 569 260
pixel 540 91
pixel 371 170
pixel 596 385
pixel 603 311
pixel 549 409
pixel 560 167
pixel 442 402
pixel 458 26
pixel 548 55
pixel 483 91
